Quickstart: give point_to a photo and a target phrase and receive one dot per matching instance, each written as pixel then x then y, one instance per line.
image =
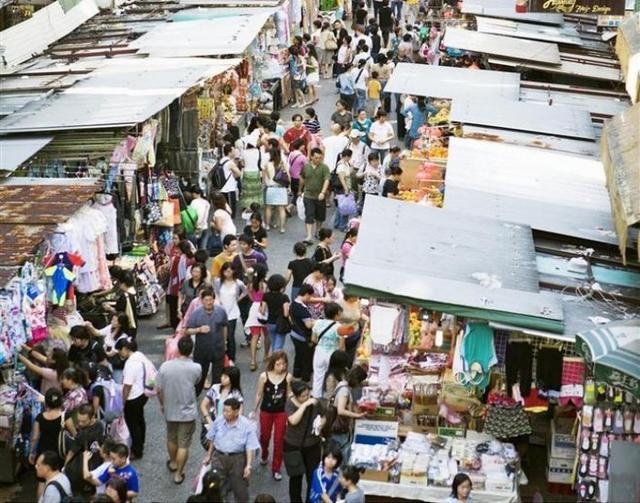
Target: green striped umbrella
pixel 614 351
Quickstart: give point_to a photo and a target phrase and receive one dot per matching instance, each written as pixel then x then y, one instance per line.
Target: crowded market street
pixel 319 251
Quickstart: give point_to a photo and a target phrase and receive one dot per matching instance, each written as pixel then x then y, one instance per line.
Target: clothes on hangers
pixel 549 369
pixel 572 388
pixel 104 204
pixel 59 267
pixel 518 366
pixel 477 348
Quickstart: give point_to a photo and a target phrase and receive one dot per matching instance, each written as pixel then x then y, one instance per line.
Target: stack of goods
pixel 377 460
pixel 608 415
pixel 433 460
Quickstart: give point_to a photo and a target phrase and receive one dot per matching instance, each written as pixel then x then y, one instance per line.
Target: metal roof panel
pixel 14 151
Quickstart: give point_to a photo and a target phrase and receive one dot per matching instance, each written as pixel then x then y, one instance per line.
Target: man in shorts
pixel 176 384
pixel 314 184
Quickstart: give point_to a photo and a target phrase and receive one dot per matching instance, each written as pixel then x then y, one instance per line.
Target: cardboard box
pixel 498 486
pixel 414 480
pixel 375 475
pixel 559 475
pixel 563 443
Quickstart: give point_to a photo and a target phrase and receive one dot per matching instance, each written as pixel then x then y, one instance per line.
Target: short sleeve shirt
pixel 212 343
pixel 314 178
pixel 127 473
pixel 295 434
pixel 299 313
pixel 177 380
pixel 300 268
pixel 275 302
pixel 330 339
pixel 133 375
pixel 215 397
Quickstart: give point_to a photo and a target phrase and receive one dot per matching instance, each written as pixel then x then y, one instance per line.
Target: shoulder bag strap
pixel 58 486
pixel 326 330
pixel 306 428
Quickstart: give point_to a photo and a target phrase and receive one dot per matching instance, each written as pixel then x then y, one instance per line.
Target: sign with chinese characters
pixel 598 7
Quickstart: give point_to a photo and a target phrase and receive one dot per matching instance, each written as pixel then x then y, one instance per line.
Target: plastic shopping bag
pixel 347 205
pixel 300 208
pixel 119 431
pixel 197 481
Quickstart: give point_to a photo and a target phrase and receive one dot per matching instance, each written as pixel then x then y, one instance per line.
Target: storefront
pixel 464 347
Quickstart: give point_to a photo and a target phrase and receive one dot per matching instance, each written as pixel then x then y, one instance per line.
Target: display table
pixel 430 493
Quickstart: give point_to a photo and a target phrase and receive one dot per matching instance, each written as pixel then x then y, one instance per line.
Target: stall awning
pixel 30 208
pixel 569 122
pixel 123 92
pixel 530 31
pixel 615 345
pixel 497 45
pixel 628 51
pixel 452 83
pixel 49 24
pixel 440 259
pixel 14 151
pixel 550 191
pixel 620 148
pixel 231 36
pixel 506 9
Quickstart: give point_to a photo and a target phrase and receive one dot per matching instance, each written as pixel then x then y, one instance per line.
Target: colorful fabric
pixel 323 484
pixel 572 389
pixel 507 422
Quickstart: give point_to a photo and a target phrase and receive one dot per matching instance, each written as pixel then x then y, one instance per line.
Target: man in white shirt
pixel 381 134
pixel 359 150
pixel 360 77
pixel 333 146
pixel 358 35
pixel 57 485
pixel 231 175
pixel 133 382
pixel 202 207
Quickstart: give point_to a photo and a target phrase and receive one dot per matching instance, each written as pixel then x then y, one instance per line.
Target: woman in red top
pixel 181 259
pixel 298 131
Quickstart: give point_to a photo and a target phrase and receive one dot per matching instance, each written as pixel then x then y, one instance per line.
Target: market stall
pixel 465 281
pixel 609 416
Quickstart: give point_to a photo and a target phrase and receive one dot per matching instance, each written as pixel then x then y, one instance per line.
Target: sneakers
pixel 277 476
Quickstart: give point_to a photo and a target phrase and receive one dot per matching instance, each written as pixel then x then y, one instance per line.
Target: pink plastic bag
pixel 171 343
pixel 119 431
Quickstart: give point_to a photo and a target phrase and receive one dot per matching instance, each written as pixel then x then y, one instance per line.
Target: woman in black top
pixel 323 254
pixel 301 324
pixel 256 230
pixel 191 288
pixel 46 429
pixel 275 304
pixel 126 302
pixel 300 436
pixel 271 397
pixel 298 269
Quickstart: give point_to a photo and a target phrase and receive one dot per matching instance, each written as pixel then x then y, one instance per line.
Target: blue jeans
pixel 277 340
pixel 340 221
pixel 294 292
pixel 396 7
pixel 361 97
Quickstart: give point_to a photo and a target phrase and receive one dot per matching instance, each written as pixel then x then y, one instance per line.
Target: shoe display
pixel 590 392
pixel 628 421
pixel 608 419
pixel 587 416
pixel 585 443
pixel 618 422
pixel 602 468
pixel 593 466
pixel 604 446
pixel 583 467
pixel 598 420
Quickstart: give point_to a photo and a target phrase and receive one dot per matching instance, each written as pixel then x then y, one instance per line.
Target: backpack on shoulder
pixel 218 180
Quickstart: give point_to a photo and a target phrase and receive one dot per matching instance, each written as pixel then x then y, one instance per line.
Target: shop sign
pixel 375 432
pixel 598 7
pixel 618 379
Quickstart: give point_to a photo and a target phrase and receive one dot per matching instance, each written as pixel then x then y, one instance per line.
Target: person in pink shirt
pixel 297 159
pixel 349 242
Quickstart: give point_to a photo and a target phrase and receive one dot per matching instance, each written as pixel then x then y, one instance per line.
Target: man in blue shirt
pixel 233 442
pixel 347 85
pixel 120 468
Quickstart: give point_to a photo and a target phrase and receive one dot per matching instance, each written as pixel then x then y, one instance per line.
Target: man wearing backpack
pixel 57 487
pixel 224 177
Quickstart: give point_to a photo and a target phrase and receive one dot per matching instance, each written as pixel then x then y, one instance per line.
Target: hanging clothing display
pixel 478 354
pixel 572 387
pixel 60 270
pixel 548 369
pixel 518 366
pixel 34 303
pixel 104 204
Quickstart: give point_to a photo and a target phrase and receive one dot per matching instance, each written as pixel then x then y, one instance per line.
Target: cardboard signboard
pixel 374 432
pixel 598 7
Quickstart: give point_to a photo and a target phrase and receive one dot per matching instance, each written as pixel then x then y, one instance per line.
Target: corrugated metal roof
pixel 51 23
pixel 621 157
pixel 194 38
pixel 571 122
pixel 431 255
pixel 15 151
pixel 605 106
pixel 28 212
pixel 452 83
pixel 549 191
pixel 524 139
pixel 508 47
pixel 6 273
pixel 506 9
pixel 12 102
pixel 531 31
pixel 572 68
pixel 124 92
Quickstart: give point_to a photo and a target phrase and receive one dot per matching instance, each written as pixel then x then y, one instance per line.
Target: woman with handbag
pixel 229 292
pixel 275 305
pixel 344 402
pixel 330 43
pixel 276 180
pixel 191 288
pixel 272 391
pixel 47 429
pixel 302 444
